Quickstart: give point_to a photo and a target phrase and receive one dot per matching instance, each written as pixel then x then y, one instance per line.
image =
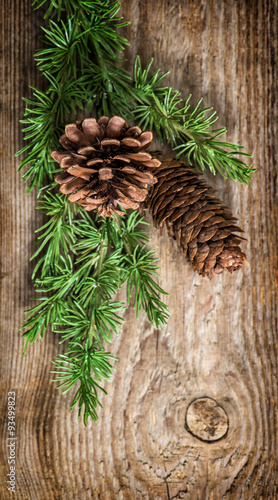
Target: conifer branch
pixel 82 261
pixel 86 264
pixel 80 62
pixel 188 130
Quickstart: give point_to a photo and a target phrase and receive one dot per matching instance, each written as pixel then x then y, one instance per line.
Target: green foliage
pixel 43 128
pixel 81 262
pixel 187 130
pixel 58 234
pixel 86 365
pixel 65 48
pixel 139 269
pixel 84 263
pixel 80 61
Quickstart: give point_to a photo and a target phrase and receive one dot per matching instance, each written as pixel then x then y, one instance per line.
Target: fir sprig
pixel 81 63
pixel 78 62
pixel 86 365
pixel 139 271
pixel 57 235
pixel 187 130
pixel 82 261
pixel 86 264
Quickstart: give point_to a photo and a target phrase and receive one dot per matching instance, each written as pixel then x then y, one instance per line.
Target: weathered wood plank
pixel 221 340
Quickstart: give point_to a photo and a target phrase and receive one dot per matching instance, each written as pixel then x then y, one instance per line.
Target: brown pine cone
pixel 105 164
pixel 202 225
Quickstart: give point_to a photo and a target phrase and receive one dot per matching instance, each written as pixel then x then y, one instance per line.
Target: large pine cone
pixel 105 164
pixel 202 225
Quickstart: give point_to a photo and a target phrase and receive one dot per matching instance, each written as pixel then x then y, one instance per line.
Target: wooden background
pixel 221 340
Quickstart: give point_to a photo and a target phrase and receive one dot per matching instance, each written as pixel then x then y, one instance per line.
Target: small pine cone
pixel 202 225
pixel 105 164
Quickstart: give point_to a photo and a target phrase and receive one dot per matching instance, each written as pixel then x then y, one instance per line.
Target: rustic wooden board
pixel 221 340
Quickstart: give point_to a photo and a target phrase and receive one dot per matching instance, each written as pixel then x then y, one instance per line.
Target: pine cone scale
pixel 63 178
pixel 86 151
pixel 72 186
pixel 67 144
pixel 77 136
pixel 81 172
pixel 105 174
pixel 130 142
pixel 91 128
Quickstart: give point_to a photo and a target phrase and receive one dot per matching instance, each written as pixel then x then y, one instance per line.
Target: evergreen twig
pixel 83 266
pixel 82 261
pixel 80 62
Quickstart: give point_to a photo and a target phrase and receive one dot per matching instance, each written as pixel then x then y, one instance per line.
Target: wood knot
pixel 206 420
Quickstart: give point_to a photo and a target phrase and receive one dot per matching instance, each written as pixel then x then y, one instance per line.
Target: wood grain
pixel 221 340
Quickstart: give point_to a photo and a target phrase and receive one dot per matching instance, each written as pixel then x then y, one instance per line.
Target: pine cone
pixel 105 164
pixel 202 225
